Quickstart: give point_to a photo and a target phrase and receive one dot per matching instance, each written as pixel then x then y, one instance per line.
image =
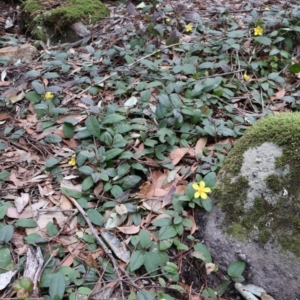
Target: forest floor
pixel 102 140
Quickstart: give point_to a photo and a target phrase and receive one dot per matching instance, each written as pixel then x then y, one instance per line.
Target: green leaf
pixel 68 130
pixel 86 170
pixel 57 286
pixel 145 239
pixel 186 69
pixel 137 260
pixel 38 87
pixel 87 183
pixel 33 73
pixel 236 268
pixel 263 40
pixel 84 290
pixel 112 153
pixel 53 138
pixel 207 204
pixel 144 295
pixel 4 175
pixel 26 223
pixel 210 179
pixel 95 217
pixel 3 211
pixel 93 126
pixel 6 233
pixel 166 232
pixel 52 162
pixel 207 65
pixel 33 238
pixel 165 244
pixel 5 258
pixel 52 229
pixel 273 76
pixel 130 181
pixel 50 75
pixel 123 169
pixel 33 97
pixel 163 221
pixel 71 193
pixel 236 34
pixel 173 38
pixel 295 68
pixel 112 119
pixel 203 249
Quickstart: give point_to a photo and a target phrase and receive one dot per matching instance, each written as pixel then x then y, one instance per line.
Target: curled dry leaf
pixel 177 154
pixel 21 202
pixel 200 145
pixel 210 267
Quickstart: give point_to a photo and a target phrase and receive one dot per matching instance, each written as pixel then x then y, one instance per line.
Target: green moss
pixel 265 220
pixel 274 183
pixel 31 6
pixel 264 236
pixel 238 232
pixel 54 19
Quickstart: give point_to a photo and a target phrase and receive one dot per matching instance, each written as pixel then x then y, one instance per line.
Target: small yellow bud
pixel 246 77
pixel 258 30
pixel 72 161
pixel 168 20
pixel 188 27
pixel 48 96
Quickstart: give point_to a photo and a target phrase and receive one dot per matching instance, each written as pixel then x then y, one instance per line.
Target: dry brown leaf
pixel 129 229
pixel 200 145
pixel 169 196
pixel 65 203
pixel 177 154
pixel 98 189
pixel 265 296
pixel 210 267
pixel 194 227
pixel 13 213
pixel 21 202
pixel 280 94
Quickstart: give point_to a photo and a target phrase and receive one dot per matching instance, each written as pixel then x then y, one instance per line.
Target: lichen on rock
pixel 257 212
pixel 53 18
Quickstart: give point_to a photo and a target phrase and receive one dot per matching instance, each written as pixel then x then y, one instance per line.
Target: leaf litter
pixel 132 120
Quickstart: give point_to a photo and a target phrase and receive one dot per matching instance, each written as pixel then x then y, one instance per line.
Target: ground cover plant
pixel 109 148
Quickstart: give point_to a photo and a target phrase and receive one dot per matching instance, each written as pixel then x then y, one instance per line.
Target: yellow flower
pixel 188 28
pixel 267 8
pixel 72 161
pixel 246 77
pixel 48 96
pixel 168 20
pixel 158 55
pixel 201 190
pixel 258 30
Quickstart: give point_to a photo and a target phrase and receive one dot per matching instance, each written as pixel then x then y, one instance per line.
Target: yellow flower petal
pixel 202 184
pixel 195 186
pixel 72 161
pixel 188 27
pixel 258 30
pixel 203 195
pixel 48 96
pixel 207 190
pixel 197 195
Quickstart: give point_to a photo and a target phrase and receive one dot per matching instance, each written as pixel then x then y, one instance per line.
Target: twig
pixel 105 248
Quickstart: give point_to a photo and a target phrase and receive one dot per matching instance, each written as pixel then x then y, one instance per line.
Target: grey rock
pixel 256 216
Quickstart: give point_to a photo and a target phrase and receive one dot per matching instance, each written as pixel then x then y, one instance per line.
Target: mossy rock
pixel 52 19
pixel 257 211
